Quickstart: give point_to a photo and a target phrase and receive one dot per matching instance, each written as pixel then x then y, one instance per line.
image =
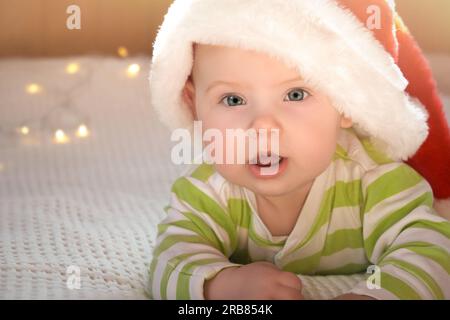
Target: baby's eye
pixel 296 95
pixel 232 100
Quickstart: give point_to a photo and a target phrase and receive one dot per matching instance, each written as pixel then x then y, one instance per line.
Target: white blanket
pixel 92 203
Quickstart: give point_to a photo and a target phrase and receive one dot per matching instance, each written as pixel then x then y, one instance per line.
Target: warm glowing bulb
pixel 72 68
pixel 2 167
pixel 133 70
pixel 24 130
pixel 82 131
pixel 122 52
pixel 61 137
pixel 33 88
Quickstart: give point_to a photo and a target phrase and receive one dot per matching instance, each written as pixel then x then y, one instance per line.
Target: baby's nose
pixel 264 135
pixel 267 122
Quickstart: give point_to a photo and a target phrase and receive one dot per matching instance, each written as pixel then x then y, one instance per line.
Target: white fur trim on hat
pixel 332 50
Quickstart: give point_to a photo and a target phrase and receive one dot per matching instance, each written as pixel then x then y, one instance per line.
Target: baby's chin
pixel 273 187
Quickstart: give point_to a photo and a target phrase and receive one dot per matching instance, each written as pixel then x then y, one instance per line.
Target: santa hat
pixel 357 52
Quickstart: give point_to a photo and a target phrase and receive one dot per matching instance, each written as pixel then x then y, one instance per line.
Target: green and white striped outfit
pixel 363 209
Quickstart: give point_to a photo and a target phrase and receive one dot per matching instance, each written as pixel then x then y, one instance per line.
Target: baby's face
pixel 238 89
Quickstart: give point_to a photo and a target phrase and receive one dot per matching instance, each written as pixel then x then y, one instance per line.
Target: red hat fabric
pixel 432 160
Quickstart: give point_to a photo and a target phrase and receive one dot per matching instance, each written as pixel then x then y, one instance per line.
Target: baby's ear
pixel 346 122
pixel 188 95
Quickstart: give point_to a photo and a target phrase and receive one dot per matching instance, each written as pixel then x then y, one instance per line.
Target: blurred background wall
pixel 38 27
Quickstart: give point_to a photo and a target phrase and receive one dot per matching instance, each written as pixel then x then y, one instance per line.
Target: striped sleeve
pixel 403 236
pixel 193 243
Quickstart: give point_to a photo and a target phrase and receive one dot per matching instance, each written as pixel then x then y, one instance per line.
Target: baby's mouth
pixel 266 161
pixel 267 166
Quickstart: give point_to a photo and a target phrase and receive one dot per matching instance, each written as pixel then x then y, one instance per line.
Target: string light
pixel 24 130
pixel 122 52
pixel 33 88
pixel 2 167
pixel 133 70
pixel 82 131
pixel 72 68
pixel 61 137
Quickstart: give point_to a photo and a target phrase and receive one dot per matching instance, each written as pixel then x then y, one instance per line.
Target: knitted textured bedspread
pixel 78 220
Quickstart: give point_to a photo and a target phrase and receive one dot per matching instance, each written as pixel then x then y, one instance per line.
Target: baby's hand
pixel 255 281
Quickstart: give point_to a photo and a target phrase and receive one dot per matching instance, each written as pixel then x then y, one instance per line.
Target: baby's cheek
pixel 232 173
pixel 322 155
pixel 314 149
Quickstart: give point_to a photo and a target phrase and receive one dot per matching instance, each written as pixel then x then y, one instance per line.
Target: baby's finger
pixel 291 280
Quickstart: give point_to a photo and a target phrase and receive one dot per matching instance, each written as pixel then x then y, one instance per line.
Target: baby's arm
pixel 191 245
pixel 403 236
pixel 190 259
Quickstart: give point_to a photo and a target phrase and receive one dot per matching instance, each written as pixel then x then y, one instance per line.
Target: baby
pixel 340 200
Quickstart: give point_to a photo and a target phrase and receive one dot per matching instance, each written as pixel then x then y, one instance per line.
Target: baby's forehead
pixel 226 59
pixel 200 49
